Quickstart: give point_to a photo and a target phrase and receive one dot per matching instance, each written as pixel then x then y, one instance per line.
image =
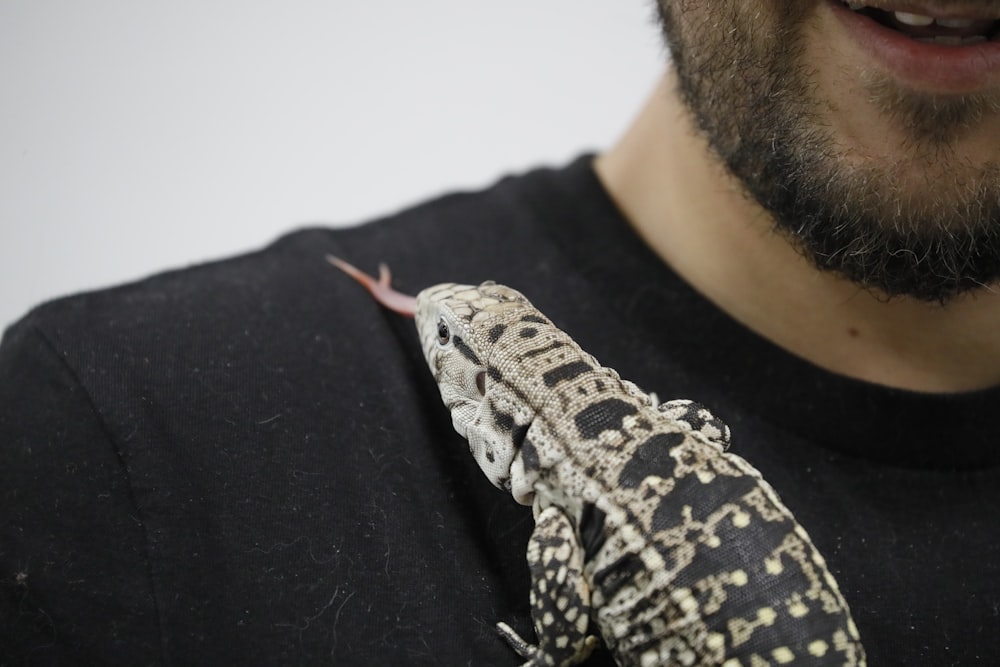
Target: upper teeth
pixel 922 20
pixel 913 19
pixel 919 20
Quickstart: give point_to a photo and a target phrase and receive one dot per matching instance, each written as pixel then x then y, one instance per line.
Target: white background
pixel 137 135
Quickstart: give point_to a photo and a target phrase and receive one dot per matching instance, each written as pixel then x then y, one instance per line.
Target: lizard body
pixel 647 531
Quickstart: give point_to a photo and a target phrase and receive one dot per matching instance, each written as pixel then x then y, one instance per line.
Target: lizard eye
pixel 444 334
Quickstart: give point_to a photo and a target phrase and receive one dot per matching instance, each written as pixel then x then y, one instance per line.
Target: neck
pixel 693 214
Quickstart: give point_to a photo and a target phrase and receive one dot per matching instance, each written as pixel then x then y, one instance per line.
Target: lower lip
pixel 928 67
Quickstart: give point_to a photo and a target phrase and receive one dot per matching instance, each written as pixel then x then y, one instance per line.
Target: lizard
pixel 648 532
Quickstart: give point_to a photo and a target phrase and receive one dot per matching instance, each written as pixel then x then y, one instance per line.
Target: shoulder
pixel 266 425
pixel 191 335
pixel 287 288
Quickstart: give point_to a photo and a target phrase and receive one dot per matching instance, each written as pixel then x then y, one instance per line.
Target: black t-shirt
pixel 247 462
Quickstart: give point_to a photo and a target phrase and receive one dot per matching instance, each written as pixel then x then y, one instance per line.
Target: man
pixel 247 461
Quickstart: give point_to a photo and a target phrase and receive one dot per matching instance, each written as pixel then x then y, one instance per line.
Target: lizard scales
pixel 647 531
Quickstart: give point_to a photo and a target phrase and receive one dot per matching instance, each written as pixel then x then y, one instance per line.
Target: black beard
pixel 750 94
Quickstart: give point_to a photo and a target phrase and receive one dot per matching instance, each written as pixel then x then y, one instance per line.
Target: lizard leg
pixel 560 597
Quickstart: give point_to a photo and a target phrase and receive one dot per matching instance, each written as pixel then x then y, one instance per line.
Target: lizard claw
pixel 536 657
pixel 521 647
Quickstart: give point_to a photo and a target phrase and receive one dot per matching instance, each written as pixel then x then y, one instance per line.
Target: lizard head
pixel 458 327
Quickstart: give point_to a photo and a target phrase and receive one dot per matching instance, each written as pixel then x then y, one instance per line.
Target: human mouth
pixel 944 50
pixel 947 29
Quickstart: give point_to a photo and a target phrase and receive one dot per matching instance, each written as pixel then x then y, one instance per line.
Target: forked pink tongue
pixel 404 304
